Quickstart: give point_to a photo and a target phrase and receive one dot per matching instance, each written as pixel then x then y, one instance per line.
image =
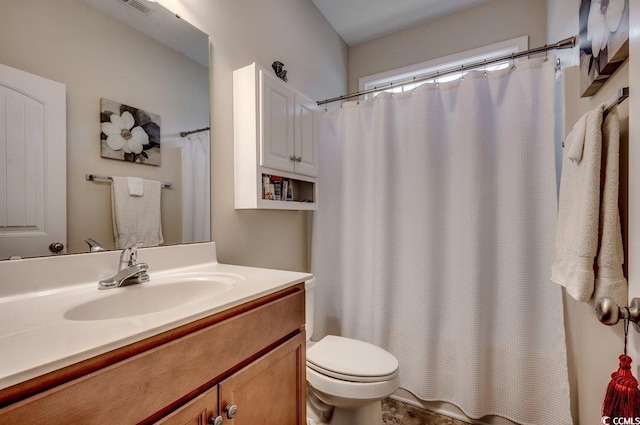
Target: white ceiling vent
pixel 139 5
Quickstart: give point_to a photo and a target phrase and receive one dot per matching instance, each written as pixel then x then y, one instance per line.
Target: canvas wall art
pixel 604 41
pixel 129 134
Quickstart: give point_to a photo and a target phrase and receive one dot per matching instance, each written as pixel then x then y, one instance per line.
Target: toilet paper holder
pixel 609 313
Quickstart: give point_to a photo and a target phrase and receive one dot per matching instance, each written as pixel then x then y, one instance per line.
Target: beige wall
pixel 488 23
pixel 245 31
pixel 592 347
pixel 97 56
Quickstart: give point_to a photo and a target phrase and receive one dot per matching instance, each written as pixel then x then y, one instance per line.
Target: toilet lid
pixel 351 360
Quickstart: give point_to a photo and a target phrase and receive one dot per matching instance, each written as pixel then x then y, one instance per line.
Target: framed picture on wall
pixel 604 41
pixel 128 133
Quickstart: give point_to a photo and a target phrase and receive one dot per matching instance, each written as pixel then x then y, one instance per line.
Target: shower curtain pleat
pixel 196 192
pixel 434 240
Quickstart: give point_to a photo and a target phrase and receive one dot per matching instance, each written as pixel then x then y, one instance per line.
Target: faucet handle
pixel 94 246
pixel 129 255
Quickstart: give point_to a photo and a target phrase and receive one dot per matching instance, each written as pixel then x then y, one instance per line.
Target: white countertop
pixel 36 338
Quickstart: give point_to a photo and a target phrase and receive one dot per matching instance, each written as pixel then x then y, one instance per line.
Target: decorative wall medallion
pixel 129 134
pixel 604 41
pixel 278 68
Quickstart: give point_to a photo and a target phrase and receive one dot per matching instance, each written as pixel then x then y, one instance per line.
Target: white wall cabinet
pixel 306 136
pixel 275 137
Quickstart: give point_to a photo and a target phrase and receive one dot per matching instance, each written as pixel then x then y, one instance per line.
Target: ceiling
pixel 358 21
pixel 161 24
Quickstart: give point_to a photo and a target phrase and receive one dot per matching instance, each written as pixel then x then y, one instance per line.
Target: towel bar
pixel 94 177
pixel 609 313
pixel 618 98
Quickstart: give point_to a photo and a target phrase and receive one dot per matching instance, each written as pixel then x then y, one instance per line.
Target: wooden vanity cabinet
pixel 198 411
pixel 251 356
pixel 267 391
pixel 271 389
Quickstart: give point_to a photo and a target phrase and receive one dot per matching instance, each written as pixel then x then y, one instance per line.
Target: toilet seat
pixel 351 360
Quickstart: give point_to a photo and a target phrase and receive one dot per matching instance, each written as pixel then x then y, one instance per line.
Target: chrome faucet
pixel 94 246
pixel 129 271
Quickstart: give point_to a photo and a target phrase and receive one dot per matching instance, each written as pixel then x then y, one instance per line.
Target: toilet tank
pixel 310 290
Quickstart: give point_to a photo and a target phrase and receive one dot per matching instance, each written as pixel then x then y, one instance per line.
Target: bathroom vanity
pixel 237 357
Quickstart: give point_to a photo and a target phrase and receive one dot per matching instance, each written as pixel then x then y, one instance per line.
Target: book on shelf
pixel 276 188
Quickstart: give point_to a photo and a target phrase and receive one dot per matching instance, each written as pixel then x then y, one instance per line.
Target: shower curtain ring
pixel 513 62
pixel 485 67
pixel 462 73
pixel 437 76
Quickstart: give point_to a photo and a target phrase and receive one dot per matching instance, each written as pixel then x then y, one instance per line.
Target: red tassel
pixel 622 399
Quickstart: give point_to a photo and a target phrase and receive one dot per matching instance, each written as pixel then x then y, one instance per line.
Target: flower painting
pixel 604 41
pixel 129 134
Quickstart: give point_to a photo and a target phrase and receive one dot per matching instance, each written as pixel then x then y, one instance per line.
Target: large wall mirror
pixel 131 52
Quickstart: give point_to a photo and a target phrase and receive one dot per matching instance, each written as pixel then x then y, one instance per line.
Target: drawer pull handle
pixel 231 411
pixel 218 420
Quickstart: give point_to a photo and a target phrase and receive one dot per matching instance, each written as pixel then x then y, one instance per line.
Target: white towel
pixel 136 218
pixel 610 280
pixel 579 208
pixel 136 186
pixel 588 215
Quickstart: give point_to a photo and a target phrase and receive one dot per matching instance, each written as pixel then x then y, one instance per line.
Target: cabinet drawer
pixel 132 390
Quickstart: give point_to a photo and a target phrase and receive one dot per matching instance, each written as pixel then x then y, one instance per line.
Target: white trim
pixel 502 48
pixel 633 242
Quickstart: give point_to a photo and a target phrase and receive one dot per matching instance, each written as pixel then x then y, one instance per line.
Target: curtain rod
pixel 567 43
pixel 186 133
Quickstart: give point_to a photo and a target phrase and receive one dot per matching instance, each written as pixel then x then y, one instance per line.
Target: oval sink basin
pixel 147 298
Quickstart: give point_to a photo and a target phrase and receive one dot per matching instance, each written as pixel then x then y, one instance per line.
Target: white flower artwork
pixel 129 134
pixel 122 133
pixel 604 41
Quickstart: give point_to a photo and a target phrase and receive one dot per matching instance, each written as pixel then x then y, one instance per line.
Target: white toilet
pixel 346 378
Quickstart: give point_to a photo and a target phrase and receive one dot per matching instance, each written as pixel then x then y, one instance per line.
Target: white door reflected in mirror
pixel 33 159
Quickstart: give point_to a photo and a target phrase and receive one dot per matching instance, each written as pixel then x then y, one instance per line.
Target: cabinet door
pixel 276 147
pixel 197 412
pixel 306 135
pixel 271 390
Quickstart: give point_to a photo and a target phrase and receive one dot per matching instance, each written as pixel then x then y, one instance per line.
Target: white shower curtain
pixel 434 239
pixel 196 193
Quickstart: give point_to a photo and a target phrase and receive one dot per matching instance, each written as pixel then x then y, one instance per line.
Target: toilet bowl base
pixel 368 414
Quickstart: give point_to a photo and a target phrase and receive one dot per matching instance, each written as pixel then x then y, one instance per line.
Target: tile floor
pixel 398 413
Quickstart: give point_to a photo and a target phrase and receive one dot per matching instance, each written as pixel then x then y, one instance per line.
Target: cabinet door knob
pixel 293 158
pixel 299 159
pixel 231 411
pixel 218 420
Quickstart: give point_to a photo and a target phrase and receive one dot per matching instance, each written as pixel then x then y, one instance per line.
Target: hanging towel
pixel 610 281
pixel 136 186
pixel 588 214
pixel 136 218
pixel 579 208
